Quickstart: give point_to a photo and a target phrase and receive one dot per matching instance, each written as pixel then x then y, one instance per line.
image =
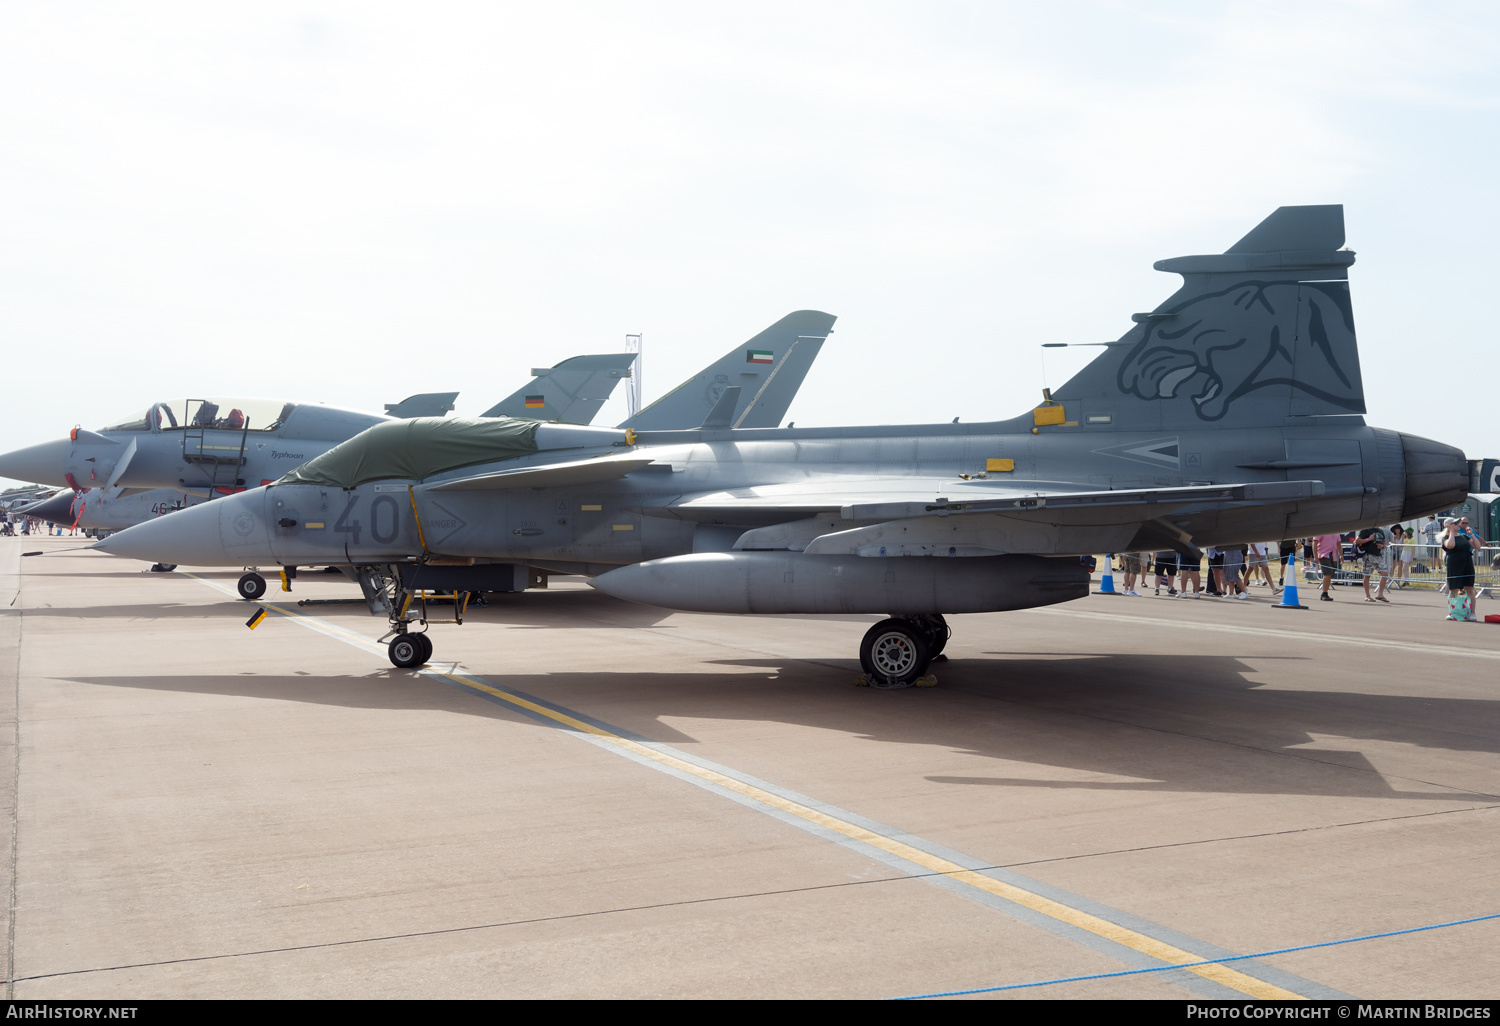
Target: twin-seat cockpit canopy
pixel 217 414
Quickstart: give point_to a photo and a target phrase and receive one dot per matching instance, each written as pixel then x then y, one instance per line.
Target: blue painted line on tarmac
pixel 1216 961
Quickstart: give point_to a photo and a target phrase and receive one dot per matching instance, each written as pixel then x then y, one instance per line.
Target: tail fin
pixel 768 370
pixel 1256 334
pixel 427 404
pixel 572 392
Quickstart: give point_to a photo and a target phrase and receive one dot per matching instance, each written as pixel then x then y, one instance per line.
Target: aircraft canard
pixel 911 521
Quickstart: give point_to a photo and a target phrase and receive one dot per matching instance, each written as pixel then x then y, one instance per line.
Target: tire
pixel 252 586
pixel 405 651
pixel 425 640
pixel 895 653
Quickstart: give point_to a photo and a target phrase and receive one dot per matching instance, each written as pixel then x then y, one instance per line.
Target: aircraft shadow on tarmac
pixel 573 609
pixel 95 575
pixel 1188 723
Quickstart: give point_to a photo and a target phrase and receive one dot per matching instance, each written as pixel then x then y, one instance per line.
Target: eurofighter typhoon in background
pixel 176 453
pixel 1231 412
pixel 206 447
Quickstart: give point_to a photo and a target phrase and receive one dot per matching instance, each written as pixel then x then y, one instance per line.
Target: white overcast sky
pixel 350 203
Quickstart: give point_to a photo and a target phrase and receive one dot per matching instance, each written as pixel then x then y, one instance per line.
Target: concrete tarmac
pixel 585 798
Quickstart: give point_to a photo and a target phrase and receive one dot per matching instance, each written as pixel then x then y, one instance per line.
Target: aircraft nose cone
pixel 1437 476
pixel 188 537
pixel 56 510
pixel 43 464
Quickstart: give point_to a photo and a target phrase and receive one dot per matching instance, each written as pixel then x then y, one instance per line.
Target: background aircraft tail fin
pixel 768 370
pixel 571 392
pixel 1258 333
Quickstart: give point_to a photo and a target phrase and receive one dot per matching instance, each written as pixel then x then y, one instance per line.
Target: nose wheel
pixel 407 651
pixel 252 586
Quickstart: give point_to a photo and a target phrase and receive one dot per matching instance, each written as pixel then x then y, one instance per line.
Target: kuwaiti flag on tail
pixel 759 356
pixel 535 402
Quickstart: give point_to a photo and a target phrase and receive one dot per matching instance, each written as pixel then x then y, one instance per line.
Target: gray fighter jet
pixel 99 512
pixel 210 447
pixel 1229 413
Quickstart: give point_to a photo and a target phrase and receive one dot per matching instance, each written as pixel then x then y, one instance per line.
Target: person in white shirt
pixel 1259 560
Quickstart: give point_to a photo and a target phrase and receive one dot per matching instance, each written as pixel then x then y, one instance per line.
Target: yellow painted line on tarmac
pixel 1046 906
pixel 1121 935
pixel 1272 632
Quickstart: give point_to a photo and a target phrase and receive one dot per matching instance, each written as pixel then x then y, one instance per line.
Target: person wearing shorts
pixel 1234 564
pixel 1403 552
pixel 1166 571
pixel 1288 547
pixel 1258 560
pixel 1215 585
pixel 1188 567
pixel 1371 545
pixel 1433 557
pixel 1460 543
pixel 1328 548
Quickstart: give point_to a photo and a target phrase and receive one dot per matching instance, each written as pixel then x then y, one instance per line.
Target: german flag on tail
pixel 535 402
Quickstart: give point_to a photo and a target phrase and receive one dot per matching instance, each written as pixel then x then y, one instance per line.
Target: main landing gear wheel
pixel 252 586
pixel 163 568
pixel 895 653
pixel 409 650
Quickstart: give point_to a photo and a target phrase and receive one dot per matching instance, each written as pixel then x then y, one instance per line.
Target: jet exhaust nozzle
pixel 1437 476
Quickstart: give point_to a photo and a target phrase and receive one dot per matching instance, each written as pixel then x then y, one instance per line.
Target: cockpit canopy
pixel 233 414
pixel 416 449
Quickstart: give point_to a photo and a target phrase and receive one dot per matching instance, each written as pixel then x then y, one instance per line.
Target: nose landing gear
pixel 409 650
pixel 252 586
pixel 405 609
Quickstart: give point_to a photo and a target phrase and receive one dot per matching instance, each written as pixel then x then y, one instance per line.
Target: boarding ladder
pixel 220 463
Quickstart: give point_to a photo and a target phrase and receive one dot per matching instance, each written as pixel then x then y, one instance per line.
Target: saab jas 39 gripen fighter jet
pixel 1230 412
